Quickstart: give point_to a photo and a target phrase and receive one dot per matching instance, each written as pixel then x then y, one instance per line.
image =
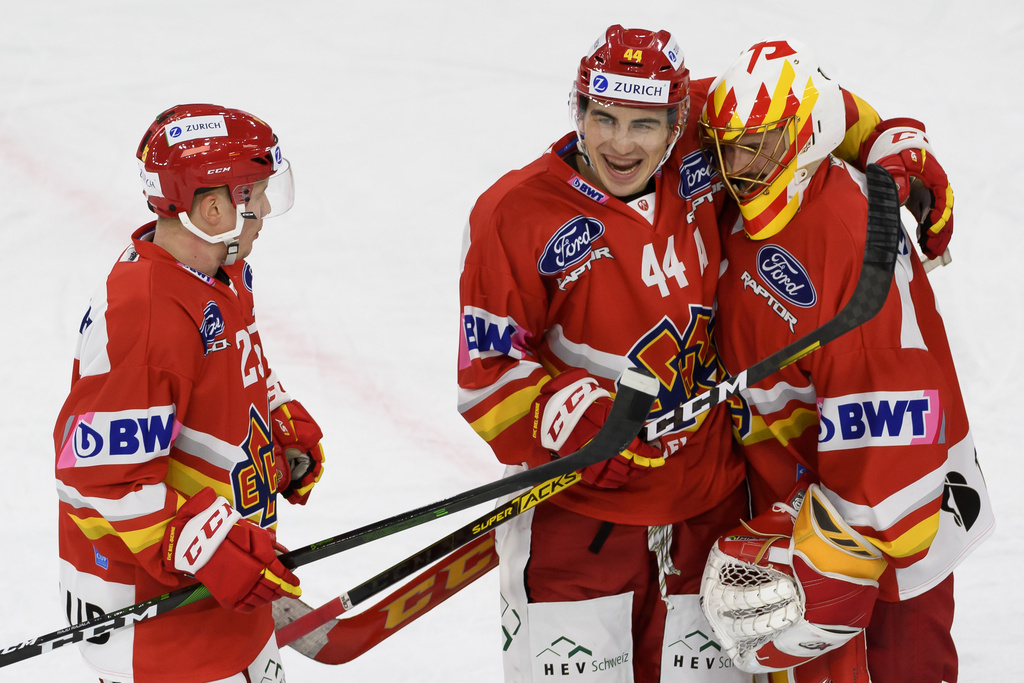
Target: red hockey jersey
pixel 877 414
pixel 170 393
pixel 556 275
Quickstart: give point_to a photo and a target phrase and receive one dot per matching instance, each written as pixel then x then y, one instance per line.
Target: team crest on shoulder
pixel 212 328
pixel 247 277
pixel 571 244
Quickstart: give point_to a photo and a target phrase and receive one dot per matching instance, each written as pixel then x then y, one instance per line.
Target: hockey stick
pixel 867 299
pixel 943 259
pixel 352 636
pixel 330 644
pixel 635 396
pixel 296 621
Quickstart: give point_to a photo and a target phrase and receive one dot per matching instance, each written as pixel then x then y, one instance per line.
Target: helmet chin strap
pixel 229 239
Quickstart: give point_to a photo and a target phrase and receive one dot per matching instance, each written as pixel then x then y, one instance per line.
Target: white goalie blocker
pixel 775 602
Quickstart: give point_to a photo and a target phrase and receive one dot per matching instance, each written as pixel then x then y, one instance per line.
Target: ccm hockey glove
pixel 790 586
pixel 901 148
pixel 568 413
pixel 235 559
pixel 298 454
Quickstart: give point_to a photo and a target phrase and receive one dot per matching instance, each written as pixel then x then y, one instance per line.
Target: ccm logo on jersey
pixel 570 244
pixel 125 434
pixel 886 418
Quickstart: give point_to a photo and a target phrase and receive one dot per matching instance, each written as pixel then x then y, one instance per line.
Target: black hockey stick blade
pixel 636 394
pixel 104 624
pixel 868 297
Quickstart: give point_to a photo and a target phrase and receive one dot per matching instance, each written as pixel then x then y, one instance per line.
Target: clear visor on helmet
pixel 750 158
pixel 268 197
pixel 640 125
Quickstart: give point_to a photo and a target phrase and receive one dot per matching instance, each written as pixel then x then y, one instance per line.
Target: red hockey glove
pixel 790 586
pixel 568 413
pixel 235 559
pixel 901 147
pixel 298 455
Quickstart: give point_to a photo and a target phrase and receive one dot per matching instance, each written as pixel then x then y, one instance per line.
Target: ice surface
pixel 396 115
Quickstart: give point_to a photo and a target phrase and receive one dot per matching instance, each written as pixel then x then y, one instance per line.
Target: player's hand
pixel 901 147
pixel 298 454
pixel 568 413
pixel 789 586
pixel 235 559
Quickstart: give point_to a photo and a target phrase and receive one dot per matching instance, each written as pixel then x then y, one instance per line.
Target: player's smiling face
pixel 625 145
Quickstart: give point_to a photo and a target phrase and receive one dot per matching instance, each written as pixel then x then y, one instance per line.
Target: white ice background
pixel 396 116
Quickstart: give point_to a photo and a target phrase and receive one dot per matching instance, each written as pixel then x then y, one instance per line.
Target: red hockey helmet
pixel 194 146
pixel 635 68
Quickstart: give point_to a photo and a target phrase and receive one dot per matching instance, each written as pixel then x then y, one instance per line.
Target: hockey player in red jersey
pixel 602 255
pixel 862 468
pixel 177 439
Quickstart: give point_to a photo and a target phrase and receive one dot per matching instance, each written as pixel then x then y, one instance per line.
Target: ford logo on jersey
pixel 786 276
pixel 570 244
pixel 212 327
pixel 696 176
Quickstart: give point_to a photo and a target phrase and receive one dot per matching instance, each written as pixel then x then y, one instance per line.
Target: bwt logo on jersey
pixel 211 328
pixel 570 244
pixel 787 276
pixel 696 175
pixel 127 433
pixel 486 333
pixel 886 418
pixel 582 186
pixel 629 88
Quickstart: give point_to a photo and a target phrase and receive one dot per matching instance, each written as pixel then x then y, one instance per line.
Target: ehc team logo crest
pixel 684 361
pixel 254 480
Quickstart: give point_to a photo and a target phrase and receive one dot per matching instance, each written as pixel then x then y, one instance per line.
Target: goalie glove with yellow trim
pixel 791 584
pixel 568 413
